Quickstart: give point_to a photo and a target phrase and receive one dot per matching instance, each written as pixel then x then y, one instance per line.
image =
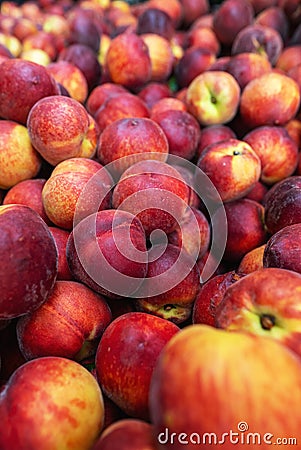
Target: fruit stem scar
pixel 267 321
pixel 236 152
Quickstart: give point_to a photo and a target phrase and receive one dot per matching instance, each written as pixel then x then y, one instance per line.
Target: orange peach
pixel 270 99
pixel 71 78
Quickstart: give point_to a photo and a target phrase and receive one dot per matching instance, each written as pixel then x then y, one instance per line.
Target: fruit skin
pixel 29 270
pixel 213 97
pixel 246 228
pixel 18 159
pixel 270 99
pixel 70 121
pixel 22 84
pixel 223 378
pixel 283 204
pixel 277 151
pixel 231 17
pixel 69 324
pixel 28 193
pixel 125 358
pixel 61 237
pixel 232 166
pixel 283 249
pixel 72 406
pixel 266 303
pixel 127 139
pixel 169 296
pixel 126 51
pixel 103 259
pixel 253 260
pixel 127 434
pixel 155 192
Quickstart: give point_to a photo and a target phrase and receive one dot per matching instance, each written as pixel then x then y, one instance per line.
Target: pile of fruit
pixel 150 224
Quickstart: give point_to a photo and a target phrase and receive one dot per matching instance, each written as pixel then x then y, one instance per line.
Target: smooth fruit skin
pixel 22 84
pixel 127 434
pixel 50 403
pixel 28 261
pixel 210 381
pixel 266 303
pixel 126 356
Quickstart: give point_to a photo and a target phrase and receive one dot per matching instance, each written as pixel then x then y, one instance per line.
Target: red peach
pixel 20 89
pixel 100 94
pixel 126 51
pixel 60 238
pixel 69 324
pixel 153 92
pixel 29 270
pixel 277 151
pixel 232 166
pixel 270 99
pixel 155 192
pixel 71 77
pixel 125 358
pixel 127 141
pixel 29 193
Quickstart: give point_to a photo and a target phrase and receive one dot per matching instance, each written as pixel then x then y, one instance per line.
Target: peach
pixel 154 20
pixel 275 17
pixel 283 249
pixel 231 17
pixel 172 7
pixel 127 434
pixel 172 283
pixel 71 77
pixel 161 56
pixel 165 104
pixel 72 405
pixel 277 151
pixel 128 139
pixel 41 40
pixel 212 134
pixel 29 270
pixel 153 92
pixel 36 55
pixel 213 97
pixel 255 304
pixel 217 391
pixel 125 358
pixel 60 237
pixel 83 29
pixel 204 37
pixel 232 166
pixel 124 105
pixel 270 99
pixel 246 66
pixel 288 58
pixel 85 59
pixel 260 39
pixel 20 90
pixel 154 192
pixel 258 192
pixel 29 193
pixel 69 324
pixel 246 229
pixel 57 127
pixel 107 252
pixel 182 131
pixel 209 297
pixel 193 9
pixel 253 260
pixel 195 61
pixel 100 94
pixel 126 51
pixel 283 204
pixel 68 181
pixel 192 234
pixel 19 161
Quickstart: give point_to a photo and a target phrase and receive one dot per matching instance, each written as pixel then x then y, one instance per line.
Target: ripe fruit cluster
pixel 150 223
